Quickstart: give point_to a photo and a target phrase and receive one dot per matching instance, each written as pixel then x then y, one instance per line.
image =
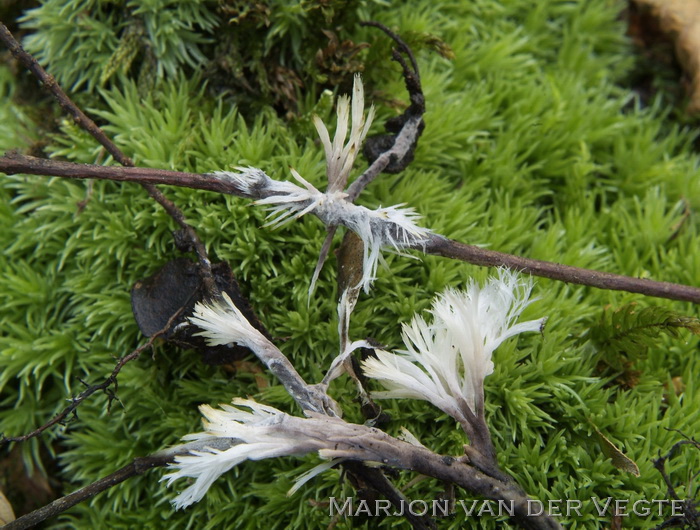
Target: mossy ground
pixel 534 144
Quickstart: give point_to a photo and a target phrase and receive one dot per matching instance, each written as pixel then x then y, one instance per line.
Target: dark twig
pixel 435 244
pixel 14 162
pixel 104 386
pixel 691 516
pixel 138 467
pixel 364 476
pixel 393 152
pixel 441 246
pixel 98 134
pixel 402 45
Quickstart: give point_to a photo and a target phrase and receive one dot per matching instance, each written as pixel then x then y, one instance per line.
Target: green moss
pixel 533 145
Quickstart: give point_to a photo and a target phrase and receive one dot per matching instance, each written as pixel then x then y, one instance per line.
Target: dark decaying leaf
pixel 177 287
pixel 26 490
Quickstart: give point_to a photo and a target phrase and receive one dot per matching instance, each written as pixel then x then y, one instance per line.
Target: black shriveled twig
pixel 691 516
pixel 91 389
pixel 98 134
pixel 393 152
pixel 138 467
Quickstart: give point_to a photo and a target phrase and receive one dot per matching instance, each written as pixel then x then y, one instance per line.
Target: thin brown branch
pixel 398 40
pixel 374 478
pixel 393 152
pixel 690 517
pixel 435 244
pixel 48 81
pixel 441 246
pixel 14 163
pixel 103 386
pixel 138 467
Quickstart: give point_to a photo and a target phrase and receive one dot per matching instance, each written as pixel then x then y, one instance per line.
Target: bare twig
pixel 104 386
pixel 138 467
pixel 441 246
pixel 91 127
pixel 14 162
pixel 690 517
pixel 375 479
pixel 435 244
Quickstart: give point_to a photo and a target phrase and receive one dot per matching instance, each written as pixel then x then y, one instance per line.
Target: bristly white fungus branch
pixel 236 435
pixel 260 433
pixel 447 360
pixel 223 323
pixel 393 227
pixel 266 432
pixel 340 157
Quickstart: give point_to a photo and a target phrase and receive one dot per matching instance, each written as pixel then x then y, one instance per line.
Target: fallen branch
pixel 138 467
pixel 690 517
pixel 435 244
pixel 98 134
pixel 104 386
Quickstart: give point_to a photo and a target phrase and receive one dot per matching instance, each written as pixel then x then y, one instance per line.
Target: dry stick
pixel 13 162
pixel 138 467
pixel 412 118
pixel 104 385
pixel 435 244
pixel 691 516
pixel 376 480
pixel 441 246
pixel 91 127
